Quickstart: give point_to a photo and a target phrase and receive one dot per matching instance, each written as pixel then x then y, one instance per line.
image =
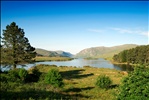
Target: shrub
pixel 34 75
pixel 42 77
pixel 36 72
pixel 14 73
pixel 103 81
pixel 136 85
pixel 23 74
pixel 13 76
pixel 54 78
pixel 3 77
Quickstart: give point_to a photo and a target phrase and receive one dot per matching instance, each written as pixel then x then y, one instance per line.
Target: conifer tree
pixel 15 48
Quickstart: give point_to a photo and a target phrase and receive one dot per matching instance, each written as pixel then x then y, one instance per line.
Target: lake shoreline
pixel 80 63
pixel 124 63
pixel 43 58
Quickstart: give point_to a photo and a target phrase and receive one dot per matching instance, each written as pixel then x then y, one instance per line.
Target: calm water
pixel 100 63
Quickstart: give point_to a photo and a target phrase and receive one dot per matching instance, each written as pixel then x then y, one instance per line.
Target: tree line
pixel 138 55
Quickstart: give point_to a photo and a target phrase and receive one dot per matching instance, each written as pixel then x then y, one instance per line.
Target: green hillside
pixel 42 52
pixel 104 52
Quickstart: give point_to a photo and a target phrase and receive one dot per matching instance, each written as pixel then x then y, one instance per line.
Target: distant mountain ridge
pixel 103 52
pixel 42 52
pixel 63 53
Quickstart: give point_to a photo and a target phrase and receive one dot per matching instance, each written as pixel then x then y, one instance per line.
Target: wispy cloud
pixel 134 31
pixel 96 30
pixel 145 33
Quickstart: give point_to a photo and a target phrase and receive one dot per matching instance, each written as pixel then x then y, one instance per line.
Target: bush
pixel 3 77
pixel 136 85
pixel 14 73
pixel 23 74
pixel 54 78
pixel 36 72
pixel 34 75
pixel 42 77
pixel 103 81
pixel 13 76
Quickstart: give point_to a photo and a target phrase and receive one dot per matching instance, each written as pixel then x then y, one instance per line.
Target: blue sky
pixel 75 25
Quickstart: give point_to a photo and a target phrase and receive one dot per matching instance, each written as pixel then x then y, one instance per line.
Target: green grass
pixel 79 85
pixel 52 58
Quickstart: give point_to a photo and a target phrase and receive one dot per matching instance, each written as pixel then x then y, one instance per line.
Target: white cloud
pixel 145 33
pixel 134 31
pixel 96 30
pixel 121 30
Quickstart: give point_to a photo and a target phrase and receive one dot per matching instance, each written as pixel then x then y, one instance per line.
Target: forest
pixel 138 55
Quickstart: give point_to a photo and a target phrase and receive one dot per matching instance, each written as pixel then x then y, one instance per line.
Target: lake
pixel 100 63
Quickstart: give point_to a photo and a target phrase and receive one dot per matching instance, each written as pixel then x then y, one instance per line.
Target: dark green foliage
pixel 1 71
pixel 32 78
pixel 20 75
pixel 23 74
pixel 6 78
pixel 138 55
pixel 42 77
pixel 34 75
pixel 36 72
pixel 15 48
pixel 13 75
pixel 136 85
pixel 32 94
pixel 16 75
pixel 103 81
pixel 10 76
pixel 54 78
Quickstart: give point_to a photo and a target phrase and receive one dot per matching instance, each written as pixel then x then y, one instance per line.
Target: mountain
pixel 65 54
pixel 42 52
pixel 103 52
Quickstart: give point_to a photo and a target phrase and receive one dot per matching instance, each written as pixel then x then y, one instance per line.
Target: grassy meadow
pixel 79 84
pixel 43 58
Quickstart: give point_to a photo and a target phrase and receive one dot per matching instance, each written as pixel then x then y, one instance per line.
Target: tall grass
pixel 79 84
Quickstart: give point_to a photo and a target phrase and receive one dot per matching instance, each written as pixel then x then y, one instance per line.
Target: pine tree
pixel 16 48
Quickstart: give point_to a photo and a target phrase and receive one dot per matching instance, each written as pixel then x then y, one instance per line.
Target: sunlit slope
pixel 42 52
pixel 104 52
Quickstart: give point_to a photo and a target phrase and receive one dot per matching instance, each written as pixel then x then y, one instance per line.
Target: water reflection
pixel 123 67
pixel 100 63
